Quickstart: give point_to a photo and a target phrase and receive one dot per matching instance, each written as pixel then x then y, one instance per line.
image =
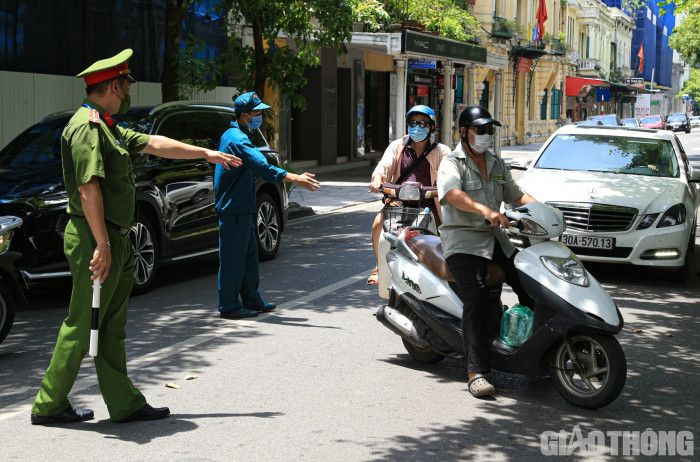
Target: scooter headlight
pixel 568 269
pixel 409 193
pixel 531 228
pixel 5 239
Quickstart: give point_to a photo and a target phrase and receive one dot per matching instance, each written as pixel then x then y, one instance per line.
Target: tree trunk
pixel 260 58
pixel 174 14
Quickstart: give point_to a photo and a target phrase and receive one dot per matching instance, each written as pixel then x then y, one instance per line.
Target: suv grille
pixel 596 217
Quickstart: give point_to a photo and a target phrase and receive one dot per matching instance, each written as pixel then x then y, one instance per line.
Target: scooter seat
pixel 428 249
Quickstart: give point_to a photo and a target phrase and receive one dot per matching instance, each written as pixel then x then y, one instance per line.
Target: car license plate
pixel 589 242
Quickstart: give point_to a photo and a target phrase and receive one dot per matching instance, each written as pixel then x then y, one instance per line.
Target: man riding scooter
pixel 472 183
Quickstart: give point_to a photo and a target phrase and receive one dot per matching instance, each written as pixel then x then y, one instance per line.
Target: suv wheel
pixel 7 310
pixel 268 225
pixel 145 244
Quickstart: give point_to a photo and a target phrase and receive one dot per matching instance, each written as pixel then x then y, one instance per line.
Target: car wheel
pixel 268 226
pixel 7 311
pixel 682 273
pixel 145 244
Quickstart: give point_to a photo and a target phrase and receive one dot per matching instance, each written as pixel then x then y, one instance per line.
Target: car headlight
pixel 409 193
pixel 674 216
pixel 648 220
pixel 531 228
pixel 568 269
pixel 5 239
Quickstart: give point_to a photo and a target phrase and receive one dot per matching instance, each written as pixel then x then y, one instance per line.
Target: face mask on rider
pixel 481 142
pixel 418 133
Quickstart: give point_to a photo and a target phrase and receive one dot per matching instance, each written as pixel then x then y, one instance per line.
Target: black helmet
pixel 476 116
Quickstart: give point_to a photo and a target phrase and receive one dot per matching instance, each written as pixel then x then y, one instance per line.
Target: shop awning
pixel 574 85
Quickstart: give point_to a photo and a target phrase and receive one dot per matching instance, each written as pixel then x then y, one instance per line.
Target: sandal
pixel 480 387
pixel 373 278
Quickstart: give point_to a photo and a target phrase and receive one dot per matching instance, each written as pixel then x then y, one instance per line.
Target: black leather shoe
pixel 266 308
pixel 147 412
pixel 239 314
pixel 70 415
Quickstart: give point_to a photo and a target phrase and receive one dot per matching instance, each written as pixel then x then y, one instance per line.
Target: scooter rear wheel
pixel 603 375
pixel 421 355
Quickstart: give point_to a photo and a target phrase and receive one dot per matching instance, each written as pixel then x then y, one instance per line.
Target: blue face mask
pixel 418 133
pixel 255 122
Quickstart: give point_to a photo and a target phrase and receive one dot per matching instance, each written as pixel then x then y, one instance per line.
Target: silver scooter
pixel 575 320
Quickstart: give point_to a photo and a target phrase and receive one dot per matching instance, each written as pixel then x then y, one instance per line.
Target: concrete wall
pixel 27 98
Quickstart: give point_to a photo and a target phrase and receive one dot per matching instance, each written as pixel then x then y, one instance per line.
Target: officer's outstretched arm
pixel 168 148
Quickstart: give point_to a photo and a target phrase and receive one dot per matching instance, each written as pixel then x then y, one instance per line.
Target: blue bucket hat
pixel 248 102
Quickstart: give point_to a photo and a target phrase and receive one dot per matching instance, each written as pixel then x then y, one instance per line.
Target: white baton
pixel 95 324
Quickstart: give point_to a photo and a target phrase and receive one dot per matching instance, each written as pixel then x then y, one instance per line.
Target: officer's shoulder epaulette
pixel 94 116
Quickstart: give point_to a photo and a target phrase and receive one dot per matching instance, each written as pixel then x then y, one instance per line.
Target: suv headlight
pixel 409 193
pixel 673 216
pixel 5 239
pixel 568 269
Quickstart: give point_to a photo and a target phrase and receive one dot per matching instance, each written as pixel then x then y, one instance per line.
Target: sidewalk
pixel 338 189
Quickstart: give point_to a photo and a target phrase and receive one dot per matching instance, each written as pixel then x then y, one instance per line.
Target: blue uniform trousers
pixel 239 274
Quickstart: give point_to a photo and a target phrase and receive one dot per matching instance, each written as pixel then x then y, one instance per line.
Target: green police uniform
pixel 92 148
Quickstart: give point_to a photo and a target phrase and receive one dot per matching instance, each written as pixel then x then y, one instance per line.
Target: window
pixel 38 145
pixel 556 104
pixel 543 106
pixel 198 128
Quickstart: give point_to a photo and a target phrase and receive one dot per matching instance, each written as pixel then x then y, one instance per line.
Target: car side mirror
pixel 520 164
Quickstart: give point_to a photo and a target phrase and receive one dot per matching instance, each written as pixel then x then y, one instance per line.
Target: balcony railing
pixel 502 28
pixel 589 13
pixel 590 64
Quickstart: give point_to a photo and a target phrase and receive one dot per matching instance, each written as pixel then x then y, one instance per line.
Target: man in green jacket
pixel 99 181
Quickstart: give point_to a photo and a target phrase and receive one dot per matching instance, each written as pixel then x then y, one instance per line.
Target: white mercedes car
pixel 628 195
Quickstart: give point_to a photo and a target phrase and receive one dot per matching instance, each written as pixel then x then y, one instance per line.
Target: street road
pixel 321 379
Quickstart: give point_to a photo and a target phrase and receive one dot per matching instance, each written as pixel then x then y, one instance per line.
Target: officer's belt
pixel 121 230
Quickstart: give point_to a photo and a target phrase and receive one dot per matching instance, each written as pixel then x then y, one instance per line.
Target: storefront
pixel 586 97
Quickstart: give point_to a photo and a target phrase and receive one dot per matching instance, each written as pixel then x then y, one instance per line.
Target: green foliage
pixel 450 18
pixel 682 6
pixel 371 13
pixel 686 38
pixel 633 5
pixel 692 85
pixel 195 74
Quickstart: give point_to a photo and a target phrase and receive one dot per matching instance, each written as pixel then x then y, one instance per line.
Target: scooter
pixel 575 320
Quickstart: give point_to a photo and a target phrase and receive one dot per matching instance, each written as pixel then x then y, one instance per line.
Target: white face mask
pixel 481 143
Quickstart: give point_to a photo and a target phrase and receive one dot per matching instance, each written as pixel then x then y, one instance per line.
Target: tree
pixel 686 38
pixel 681 6
pixel 174 15
pixel 309 25
pixel 692 85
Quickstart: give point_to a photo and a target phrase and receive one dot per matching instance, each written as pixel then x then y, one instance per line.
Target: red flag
pixel 640 55
pixel 541 18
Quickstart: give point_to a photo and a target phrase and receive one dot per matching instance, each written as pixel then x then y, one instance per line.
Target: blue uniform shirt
pixel 234 189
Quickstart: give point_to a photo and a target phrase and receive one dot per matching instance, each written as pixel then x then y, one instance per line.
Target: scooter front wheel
pixel 421 355
pixel 601 375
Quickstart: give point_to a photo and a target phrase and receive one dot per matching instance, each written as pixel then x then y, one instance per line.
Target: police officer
pixel 99 180
pixel 236 206
pixel 472 184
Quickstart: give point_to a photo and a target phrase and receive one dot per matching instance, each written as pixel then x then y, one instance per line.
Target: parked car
pixel 630 122
pixel 175 217
pixel 628 195
pixel 611 120
pixel 694 121
pixel 678 122
pixel 11 292
pixel 656 121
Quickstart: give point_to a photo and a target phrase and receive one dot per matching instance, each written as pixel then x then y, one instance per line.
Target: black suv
pixel 678 122
pixel 175 217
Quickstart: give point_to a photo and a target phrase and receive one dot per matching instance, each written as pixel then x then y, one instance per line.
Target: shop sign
pixel 415 78
pixel 415 42
pixel 642 107
pixel 422 64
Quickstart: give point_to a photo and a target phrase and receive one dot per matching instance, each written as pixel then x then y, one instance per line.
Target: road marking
pixel 25 406
pixel 371 206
